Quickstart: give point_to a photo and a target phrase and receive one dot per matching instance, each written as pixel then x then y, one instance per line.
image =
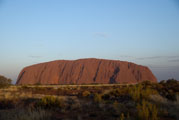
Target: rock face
pixel 85 71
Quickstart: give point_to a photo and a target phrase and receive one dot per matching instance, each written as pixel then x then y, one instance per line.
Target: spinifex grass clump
pixel 139 92
pixel 49 102
pixel 97 98
pixel 147 111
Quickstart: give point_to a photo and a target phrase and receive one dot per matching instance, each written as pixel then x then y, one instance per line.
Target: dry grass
pixel 90 102
pixel 25 114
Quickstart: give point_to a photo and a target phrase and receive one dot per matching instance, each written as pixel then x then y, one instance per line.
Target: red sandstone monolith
pixel 85 71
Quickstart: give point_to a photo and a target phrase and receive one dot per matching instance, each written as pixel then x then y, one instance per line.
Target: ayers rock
pixel 85 71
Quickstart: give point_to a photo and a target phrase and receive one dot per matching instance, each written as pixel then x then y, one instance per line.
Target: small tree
pixel 4 82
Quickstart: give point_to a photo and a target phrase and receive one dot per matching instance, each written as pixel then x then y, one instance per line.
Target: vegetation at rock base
pixel 143 101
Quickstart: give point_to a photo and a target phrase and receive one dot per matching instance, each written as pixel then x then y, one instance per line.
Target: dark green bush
pixel 168 89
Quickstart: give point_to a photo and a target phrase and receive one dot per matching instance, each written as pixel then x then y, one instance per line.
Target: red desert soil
pixel 85 71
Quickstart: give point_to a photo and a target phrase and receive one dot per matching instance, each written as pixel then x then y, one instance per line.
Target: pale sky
pixel 145 32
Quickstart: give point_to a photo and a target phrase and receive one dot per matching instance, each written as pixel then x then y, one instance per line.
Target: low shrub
pixel 7 104
pixel 168 89
pixel 115 104
pixel 122 116
pixel 105 96
pixel 49 102
pixel 115 92
pixel 139 92
pixel 147 111
pixel 86 94
pixel 97 98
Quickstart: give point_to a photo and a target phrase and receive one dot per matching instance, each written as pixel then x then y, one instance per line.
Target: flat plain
pixel 143 101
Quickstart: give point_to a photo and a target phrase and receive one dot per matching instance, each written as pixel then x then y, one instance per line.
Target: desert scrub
pixel 118 107
pixel 147 111
pixel 168 89
pixel 7 104
pixel 139 92
pixel 86 94
pixel 72 103
pixel 122 116
pixel 120 95
pixel 49 102
pixel 97 98
pixel 113 94
pixel 24 88
pixel 26 114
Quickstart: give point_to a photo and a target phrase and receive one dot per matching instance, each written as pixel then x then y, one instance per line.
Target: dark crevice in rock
pixel 20 77
pixel 40 77
pixel 80 74
pixel 129 65
pixel 138 75
pixel 71 74
pixel 112 79
pixel 63 69
pixel 94 79
pixel 61 73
